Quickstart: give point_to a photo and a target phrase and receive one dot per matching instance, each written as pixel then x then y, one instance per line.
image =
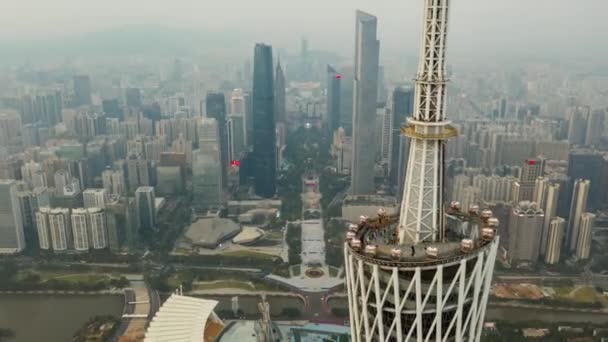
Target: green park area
pixel 13 277
pixel 223 284
pixel 205 280
pixel 251 254
pixel 580 295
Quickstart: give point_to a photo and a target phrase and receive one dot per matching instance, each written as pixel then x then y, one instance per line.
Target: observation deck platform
pixel 374 240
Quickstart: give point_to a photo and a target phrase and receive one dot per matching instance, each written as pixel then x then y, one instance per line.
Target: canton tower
pixel 425 274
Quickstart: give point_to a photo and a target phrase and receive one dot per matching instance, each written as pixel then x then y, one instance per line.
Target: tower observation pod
pixel 425 274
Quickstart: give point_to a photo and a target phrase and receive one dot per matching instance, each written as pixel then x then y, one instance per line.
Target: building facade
pixel 264 145
pixel 365 94
pixel 525 233
pixel 12 236
pixel 554 241
pixel 585 236
pixel 578 206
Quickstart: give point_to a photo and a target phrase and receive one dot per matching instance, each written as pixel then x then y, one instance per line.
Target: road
pixel 547 307
pixel 595 279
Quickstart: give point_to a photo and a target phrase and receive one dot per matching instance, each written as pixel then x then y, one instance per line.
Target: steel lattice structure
pixel 426 274
pixel 422 196
pixel 437 302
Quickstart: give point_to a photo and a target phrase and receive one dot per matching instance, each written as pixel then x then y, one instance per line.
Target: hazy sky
pixel 475 24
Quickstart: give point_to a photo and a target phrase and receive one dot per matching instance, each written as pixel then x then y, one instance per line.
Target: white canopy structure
pixel 184 319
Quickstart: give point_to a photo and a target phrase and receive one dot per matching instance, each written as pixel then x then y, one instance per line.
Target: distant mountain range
pixel 148 40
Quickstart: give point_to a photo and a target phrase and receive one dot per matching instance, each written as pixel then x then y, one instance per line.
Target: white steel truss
pixel 421 213
pixel 441 303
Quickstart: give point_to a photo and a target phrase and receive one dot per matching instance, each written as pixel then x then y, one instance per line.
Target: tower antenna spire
pixel 421 216
pixel 410 281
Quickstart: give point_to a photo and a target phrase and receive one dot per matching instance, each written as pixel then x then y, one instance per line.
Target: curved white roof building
pixel 184 319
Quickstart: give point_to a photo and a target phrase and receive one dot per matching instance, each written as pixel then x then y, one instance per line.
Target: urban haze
pixel 345 170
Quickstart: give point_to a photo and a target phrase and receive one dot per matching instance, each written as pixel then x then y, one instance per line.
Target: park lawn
pixel 585 294
pixel 63 276
pixel 580 294
pixel 83 277
pixel 250 254
pixel 223 284
pixel 562 292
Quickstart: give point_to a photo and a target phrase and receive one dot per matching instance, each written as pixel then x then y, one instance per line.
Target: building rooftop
pixel 248 235
pixel 209 232
pixel 184 319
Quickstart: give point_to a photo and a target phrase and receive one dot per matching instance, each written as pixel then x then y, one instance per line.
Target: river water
pixel 53 318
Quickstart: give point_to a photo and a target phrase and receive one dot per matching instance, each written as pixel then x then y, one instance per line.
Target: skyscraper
pixel 264 154
pixel 550 208
pixel 530 171
pixel 236 136
pixel 146 210
pixel 412 281
pixel 80 229
pixel 60 228
pixel 216 109
pixel 279 94
pixel 588 164
pixel 554 240
pixel 540 191
pixel 12 238
pixel 365 94
pixel 334 80
pixel 43 228
pixel 346 99
pixel 403 105
pixel 238 107
pixel 595 127
pixel 82 90
pixel 577 124
pixel 578 206
pixel 95 198
pixel 138 172
pixel 525 232
pixel 97 228
pixel 585 235
pixel 133 97
pixel 206 172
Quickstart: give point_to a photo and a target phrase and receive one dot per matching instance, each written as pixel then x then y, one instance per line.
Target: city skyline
pixel 350 166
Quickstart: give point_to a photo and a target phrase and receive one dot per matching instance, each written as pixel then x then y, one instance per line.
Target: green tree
pixel 6 334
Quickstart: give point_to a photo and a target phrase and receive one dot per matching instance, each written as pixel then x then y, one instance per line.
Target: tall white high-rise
pixel 95 198
pixel 585 235
pixel 578 206
pixel 426 277
pixel 525 232
pixel 540 191
pixel 42 227
pixel 550 208
pixel 80 229
pixel 554 241
pixel 98 234
pixel 59 226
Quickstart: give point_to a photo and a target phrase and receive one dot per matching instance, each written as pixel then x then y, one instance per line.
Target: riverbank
pixel 62 292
